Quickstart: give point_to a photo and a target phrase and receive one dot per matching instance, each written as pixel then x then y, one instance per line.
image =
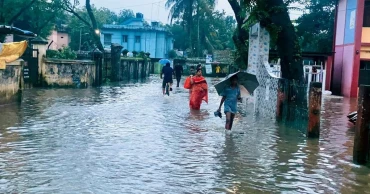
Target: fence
pixel 312 72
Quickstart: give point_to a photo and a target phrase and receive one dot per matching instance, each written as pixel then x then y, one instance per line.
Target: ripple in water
pixel 128 138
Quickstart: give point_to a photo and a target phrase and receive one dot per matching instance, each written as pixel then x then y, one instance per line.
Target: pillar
pixel 314 110
pixel 116 62
pixel 40 44
pixel 361 146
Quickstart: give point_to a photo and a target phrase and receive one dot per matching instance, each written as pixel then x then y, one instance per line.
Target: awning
pixel 16 31
pixel 10 52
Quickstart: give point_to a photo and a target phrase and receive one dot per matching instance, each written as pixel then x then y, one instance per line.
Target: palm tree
pixel 186 10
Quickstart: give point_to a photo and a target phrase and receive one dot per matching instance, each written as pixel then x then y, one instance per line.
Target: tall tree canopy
pixel 198 28
pixel 316 33
pixel 274 16
pixel 37 16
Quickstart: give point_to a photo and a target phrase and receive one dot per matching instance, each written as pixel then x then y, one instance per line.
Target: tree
pixel 40 18
pixel 90 23
pixel 316 33
pixel 124 15
pixel 188 11
pixel 214 31
pixel 274 16
pixel 11 10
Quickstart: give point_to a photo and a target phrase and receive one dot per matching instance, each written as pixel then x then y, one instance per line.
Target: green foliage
pixel 64 53
pixel 172 54
pixel 147 54
pixel 215 29
pixel 134 53
pixel 316 33
pixel 38 16
pixel 124 52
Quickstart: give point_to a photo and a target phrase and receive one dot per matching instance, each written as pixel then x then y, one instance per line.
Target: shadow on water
pixel 129 138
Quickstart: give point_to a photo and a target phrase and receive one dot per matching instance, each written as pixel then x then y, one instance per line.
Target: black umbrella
pixel 248 82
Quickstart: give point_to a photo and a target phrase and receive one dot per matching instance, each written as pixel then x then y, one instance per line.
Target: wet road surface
pixel 128 138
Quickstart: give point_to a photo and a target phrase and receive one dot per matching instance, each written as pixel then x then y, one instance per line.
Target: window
pixel 137 39
pixel 107 39
pixel 124 38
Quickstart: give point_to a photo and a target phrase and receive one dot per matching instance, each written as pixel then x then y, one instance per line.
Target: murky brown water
pixel 127 138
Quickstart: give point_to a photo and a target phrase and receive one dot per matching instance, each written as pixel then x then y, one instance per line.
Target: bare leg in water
pixel 229 120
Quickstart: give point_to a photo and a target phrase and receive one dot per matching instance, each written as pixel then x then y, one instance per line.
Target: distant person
pixel 192 71
pixel 178 73
pixel 218 70
pixel 167 71
pixel 199 90
pixel 230 98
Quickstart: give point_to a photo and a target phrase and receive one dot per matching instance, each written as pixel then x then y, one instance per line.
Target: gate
pixel 31 67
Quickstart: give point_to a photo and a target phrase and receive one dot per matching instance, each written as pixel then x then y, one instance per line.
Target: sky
pixel 155 10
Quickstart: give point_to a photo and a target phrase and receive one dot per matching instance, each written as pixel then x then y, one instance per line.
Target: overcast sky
pixel 155 10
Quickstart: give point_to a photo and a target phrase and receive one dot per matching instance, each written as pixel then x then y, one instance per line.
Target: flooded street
pixel 128 138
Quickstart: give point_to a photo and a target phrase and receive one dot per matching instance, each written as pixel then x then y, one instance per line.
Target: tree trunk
pixel 287 41
pixel 240 36
pixel 240 39
pixel 96 35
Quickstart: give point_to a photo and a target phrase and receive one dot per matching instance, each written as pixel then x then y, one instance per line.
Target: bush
pixel 147 54
pixel 134 53
pixel 172 54
pixel 142 54
pixel 124 52
pixel 64 53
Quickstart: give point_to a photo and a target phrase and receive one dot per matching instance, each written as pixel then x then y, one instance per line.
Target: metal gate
pixel 30 68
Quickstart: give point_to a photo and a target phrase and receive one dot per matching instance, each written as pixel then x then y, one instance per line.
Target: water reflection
pixel 128 138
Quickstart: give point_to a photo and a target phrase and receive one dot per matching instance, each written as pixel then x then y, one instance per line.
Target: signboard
pixel 352 19
pixel 209 59
pixel 208 69
pixel 26 72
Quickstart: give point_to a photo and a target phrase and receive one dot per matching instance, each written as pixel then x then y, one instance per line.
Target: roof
pixel 136 28
pixel 127 22
pixel 16 31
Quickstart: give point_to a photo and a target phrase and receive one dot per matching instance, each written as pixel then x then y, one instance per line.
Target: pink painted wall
pixel 62 40
pixel 58 41
pixel 347 70
pixel 341 21
pixel 337 71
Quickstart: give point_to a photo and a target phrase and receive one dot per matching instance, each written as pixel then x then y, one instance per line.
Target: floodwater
pixel 128 138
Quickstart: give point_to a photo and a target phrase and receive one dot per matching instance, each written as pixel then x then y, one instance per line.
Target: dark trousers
pixel 178 78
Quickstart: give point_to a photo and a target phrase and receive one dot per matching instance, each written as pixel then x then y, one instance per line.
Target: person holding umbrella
pixel 230 98
pixel 232 88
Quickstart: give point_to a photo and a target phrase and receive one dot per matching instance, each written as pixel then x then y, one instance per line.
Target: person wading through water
pixel 178 73
pixel 230 98
pixel 167 71
pixel 199 90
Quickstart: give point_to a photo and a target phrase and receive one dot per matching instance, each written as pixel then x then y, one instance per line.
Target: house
pixel 135 35
pixel 59 38
pixel 352 47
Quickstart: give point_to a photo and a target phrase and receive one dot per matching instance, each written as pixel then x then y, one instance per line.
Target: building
pixel 135 35
pixel 58 39
pixel 352 47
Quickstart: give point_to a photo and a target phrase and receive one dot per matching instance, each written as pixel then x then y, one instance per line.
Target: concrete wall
pixel 10 79
pixel 133 69
pixel 68 73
